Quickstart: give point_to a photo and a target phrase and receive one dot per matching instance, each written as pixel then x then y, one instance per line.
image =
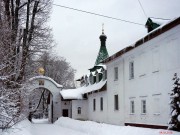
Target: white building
pixel 139 80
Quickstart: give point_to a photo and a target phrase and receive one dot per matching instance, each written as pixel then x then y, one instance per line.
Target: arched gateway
pixel 54 110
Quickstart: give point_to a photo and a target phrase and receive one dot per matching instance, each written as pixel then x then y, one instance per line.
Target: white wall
pixel 97 115
pixel 84 112
pixel 115 87
pixel 155 63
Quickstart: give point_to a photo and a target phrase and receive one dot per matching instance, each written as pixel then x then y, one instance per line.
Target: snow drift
pixel 93 128
pixel 21 128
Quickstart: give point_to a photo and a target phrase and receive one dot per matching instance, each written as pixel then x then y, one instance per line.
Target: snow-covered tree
pixel 174 123
pixel 23 34
pixel 58 69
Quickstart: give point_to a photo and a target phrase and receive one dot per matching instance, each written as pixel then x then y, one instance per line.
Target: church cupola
pixel 103 53
pixel 103 38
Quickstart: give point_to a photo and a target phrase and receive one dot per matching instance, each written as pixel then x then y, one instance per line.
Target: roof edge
pixel 161 29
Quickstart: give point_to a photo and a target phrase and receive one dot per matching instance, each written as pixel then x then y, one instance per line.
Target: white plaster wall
pixel 84 109
pixel 57 110
pixel 49 109
pixel 115 87
pixel 155 63
pixel 97 115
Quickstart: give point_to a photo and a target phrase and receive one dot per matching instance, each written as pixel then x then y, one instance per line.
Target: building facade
pixel 138 81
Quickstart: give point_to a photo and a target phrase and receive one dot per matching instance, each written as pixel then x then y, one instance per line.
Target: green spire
pixel 103 53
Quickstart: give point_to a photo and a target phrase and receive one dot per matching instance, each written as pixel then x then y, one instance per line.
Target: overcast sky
pixel 77 34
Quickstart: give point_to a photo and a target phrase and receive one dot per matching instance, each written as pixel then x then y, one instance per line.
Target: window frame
pixel 79 110
pixel 132 107
pixel 143 106
pixel 116 73
pixel 104 75
pixel 97 77
pixel 101 104
pixel 116 102
pixel 94 104
pixel 131 70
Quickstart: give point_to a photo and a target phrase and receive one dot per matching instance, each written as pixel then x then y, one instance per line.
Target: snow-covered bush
pixel 174 123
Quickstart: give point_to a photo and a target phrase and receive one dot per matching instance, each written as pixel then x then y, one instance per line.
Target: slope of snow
pixel 22 128
pixel 40 121
pixel 93 128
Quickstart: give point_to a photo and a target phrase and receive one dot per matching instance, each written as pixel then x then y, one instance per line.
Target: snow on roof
pixel 162 25
pixel 99 70
pixel 102 65
pixel 159 21
pixel 47 78
pixel 77 93
pixel 154 33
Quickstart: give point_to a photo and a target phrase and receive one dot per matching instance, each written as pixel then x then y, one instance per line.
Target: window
pixel 91 78
pixel 79 110
pixel 143 106
pixel 86 81
pixel 41 82
pixel 94 104
pixel 116 73
pixel 104 75
pixel 131 70
pixel 132 107
pixel 101 103
pixel 116 105
pixel 97 77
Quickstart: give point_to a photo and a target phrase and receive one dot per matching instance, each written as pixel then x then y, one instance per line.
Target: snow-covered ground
pixel 67 126
pixel 40 121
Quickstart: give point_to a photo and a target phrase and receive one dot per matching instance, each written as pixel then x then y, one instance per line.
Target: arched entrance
pixel 54 111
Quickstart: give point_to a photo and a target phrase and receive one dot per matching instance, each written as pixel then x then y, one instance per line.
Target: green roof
pixel 103 53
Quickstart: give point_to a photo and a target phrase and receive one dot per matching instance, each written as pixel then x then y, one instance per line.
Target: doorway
pixel 65 113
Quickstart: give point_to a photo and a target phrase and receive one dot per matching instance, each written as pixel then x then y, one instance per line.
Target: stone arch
pixel 54 110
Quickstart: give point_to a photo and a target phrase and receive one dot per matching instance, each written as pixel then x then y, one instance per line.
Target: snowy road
pixel 52 129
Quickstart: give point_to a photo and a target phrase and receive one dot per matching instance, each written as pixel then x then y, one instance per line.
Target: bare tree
pixel 58 68
pixel 23 34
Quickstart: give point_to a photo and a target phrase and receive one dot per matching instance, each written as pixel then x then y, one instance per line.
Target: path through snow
pixel 52 129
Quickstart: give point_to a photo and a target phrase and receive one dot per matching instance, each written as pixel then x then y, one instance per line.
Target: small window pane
pixel 79 110
pixel 132 107
pixel 143 106
pixel 94 104
pixel 116 73
pixel 131 70
pixel 101 104
pixel 116 105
